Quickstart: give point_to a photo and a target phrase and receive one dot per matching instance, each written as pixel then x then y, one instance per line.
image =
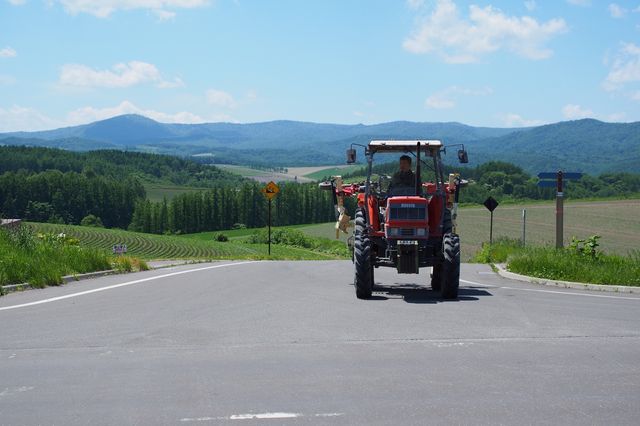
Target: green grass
pixel 566 264
pixel 332 171
pixel 42 260
pixel 198 246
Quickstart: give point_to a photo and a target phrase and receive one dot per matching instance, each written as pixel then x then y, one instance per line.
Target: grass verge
pixel 43 259
pixel 578 263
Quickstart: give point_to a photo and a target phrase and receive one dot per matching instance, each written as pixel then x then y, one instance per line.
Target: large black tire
pixel 436 277
pixel 450 266
pixel 436 274
pixel 363 280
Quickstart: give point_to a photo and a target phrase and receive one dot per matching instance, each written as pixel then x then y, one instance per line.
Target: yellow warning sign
pixel 270 190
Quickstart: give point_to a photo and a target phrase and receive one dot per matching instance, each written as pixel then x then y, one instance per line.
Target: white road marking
pixel 142 280
pixel 255 416
pixel 550 291
pixel 486 273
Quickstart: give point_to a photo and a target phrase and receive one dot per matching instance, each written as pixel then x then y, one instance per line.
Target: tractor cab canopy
pixel 427 146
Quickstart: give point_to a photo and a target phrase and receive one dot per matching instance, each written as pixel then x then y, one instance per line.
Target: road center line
pixel 142 280
pixel 549 291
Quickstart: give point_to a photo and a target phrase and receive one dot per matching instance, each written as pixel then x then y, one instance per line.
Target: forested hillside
pixel 115 164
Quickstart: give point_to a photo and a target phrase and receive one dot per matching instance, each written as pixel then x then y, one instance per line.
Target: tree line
pixel 54 196
pixel 225 207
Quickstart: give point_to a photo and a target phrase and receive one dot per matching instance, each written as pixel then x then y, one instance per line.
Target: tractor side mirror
pixel 462 156
pixel 351 156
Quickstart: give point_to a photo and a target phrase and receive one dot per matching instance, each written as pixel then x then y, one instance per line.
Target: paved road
pixel 288 343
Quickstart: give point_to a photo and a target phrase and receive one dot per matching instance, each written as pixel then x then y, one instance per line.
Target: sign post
pixel 491 204
pixel 270 190
pixel 559 177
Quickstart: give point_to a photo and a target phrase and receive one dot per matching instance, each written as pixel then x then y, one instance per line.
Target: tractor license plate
pixel 407 243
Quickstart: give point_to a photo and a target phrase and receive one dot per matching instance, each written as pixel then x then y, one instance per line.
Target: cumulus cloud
pixel 515 120
pixel 220 98
pixel 18 118
pixel 104 8
pixel 625 67
pixel 17 2
pixel 8 52
pixel 415 4
pixel 576 112
pixel 120 75
pixel 164 15
pixel 447 98
pixel 617 11
pixel 89 114
pixel 487 29
pixel 530 5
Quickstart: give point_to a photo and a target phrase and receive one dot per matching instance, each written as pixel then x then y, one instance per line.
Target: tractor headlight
pixel 393 232
pixel 421 232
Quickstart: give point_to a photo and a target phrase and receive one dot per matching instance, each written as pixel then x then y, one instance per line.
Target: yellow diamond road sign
pixel 270 190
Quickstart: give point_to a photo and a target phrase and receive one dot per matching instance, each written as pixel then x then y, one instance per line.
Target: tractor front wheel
pixel 450 266
pixel 436 277
pixel 363 280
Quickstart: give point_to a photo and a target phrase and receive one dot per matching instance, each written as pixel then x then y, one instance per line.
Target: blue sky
pixel 488 63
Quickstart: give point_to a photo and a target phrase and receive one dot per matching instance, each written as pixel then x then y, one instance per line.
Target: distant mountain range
pixel 585 145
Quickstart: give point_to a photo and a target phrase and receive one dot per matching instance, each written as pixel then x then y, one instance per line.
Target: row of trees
pixel 223 207
pixel 54 196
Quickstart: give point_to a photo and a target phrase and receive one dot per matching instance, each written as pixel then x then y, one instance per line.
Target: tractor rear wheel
pixel 363 280
pixel 451 266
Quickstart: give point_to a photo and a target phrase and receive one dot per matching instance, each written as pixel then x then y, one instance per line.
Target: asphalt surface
pixel 288 343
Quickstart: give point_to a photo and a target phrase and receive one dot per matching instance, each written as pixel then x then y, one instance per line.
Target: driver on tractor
pixel 403 180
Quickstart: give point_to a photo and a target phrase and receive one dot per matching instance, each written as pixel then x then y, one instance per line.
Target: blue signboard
pixel 547 183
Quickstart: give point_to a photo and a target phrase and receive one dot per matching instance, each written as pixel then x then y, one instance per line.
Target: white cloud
pixel 530 5
pixel 446 99
pixel 415 4
pixel 6 80
pixel 164 15
pixel 17 2
pixel 516 120
pixel 625 68
pixel 17 118
pixel 104 8
pixel 438 101
pixel 617 11
pixel 580 2
pixel 89 114
pixel 576 112
pixel 220 98
pixel 487 30
pixel 8 52
pixel 120 75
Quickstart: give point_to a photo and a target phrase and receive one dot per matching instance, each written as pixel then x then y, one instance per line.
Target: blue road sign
pixel 571 176
pixel 547 175
pixel 554 175
pixel 547 183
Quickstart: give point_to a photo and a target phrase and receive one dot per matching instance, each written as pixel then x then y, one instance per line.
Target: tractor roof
pixel 405 145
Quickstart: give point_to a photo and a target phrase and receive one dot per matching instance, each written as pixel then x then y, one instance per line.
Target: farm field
pixel 263 175
pixel 149 246
pixel 616 221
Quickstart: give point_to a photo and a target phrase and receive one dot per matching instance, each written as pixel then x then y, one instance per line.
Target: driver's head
pixel 405 163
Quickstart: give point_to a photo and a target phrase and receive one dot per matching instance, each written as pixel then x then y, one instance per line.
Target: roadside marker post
pixel 270 190
pixel 491 204
pixel 559 177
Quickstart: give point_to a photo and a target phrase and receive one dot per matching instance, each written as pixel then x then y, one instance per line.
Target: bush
pixel 295 238
pixel 220 237
pixel 91 220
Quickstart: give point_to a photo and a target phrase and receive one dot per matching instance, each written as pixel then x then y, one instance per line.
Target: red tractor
pixel 404 227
